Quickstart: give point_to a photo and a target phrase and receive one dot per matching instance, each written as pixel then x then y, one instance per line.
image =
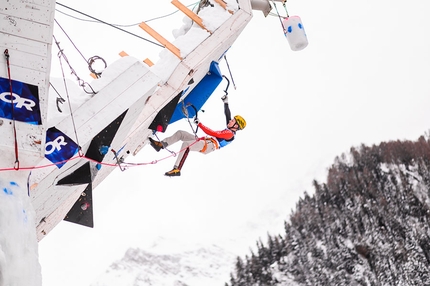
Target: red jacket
pixel 226 134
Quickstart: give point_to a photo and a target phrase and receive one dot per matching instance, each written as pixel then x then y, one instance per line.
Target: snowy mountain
pixel 201 266
pixel 170 261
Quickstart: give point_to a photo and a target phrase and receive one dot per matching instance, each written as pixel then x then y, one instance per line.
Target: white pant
pixel 189 141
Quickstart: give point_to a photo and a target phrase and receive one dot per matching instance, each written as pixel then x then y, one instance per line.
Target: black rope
pixel 70 106
pixel 81 82
pixel 70 40
pixel 124 25
pixel 113 26
pixel 89 62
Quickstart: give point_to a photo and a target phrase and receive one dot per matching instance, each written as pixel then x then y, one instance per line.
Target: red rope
pixel 16 165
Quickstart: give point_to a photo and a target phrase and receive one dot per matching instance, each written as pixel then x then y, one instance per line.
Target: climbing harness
pixel 209 140
pixel 16 165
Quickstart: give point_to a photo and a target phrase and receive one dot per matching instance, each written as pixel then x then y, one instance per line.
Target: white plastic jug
pixel 295 33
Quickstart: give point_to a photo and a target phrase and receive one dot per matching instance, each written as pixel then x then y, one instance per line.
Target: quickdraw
pixel 119 161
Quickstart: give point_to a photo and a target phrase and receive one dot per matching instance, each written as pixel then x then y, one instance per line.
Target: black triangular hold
pixel 161 121
pixel 104 138
pixel 80 176
pixel 82 211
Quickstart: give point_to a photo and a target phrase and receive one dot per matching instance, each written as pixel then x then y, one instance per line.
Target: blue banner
pixel 25 100
pixel 59 147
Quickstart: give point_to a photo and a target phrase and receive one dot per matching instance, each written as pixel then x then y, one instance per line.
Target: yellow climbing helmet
pixel 240 121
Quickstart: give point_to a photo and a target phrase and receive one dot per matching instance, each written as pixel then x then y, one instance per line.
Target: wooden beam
pixel 222 4
pixel 190 14
pixel 161 40
pixel 148 62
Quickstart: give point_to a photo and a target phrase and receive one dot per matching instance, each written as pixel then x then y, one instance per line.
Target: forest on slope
pixel 367 225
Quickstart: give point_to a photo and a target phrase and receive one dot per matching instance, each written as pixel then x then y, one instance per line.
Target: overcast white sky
pixel 362 79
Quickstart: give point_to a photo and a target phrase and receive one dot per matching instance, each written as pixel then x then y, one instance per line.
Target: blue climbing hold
pixel 7 191
pixel 104 149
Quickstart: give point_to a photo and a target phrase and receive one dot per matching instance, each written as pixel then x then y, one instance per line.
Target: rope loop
pixel 93 60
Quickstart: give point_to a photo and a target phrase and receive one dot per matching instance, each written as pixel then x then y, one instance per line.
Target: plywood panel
pixel 14 43
pixel 29 11
pixel 25 28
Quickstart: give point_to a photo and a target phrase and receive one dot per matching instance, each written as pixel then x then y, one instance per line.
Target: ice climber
pixel 215 139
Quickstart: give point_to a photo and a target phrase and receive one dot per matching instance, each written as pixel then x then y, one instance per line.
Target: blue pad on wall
pixel 200 94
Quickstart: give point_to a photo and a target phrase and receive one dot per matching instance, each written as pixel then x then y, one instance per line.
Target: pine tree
pixel 367 225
